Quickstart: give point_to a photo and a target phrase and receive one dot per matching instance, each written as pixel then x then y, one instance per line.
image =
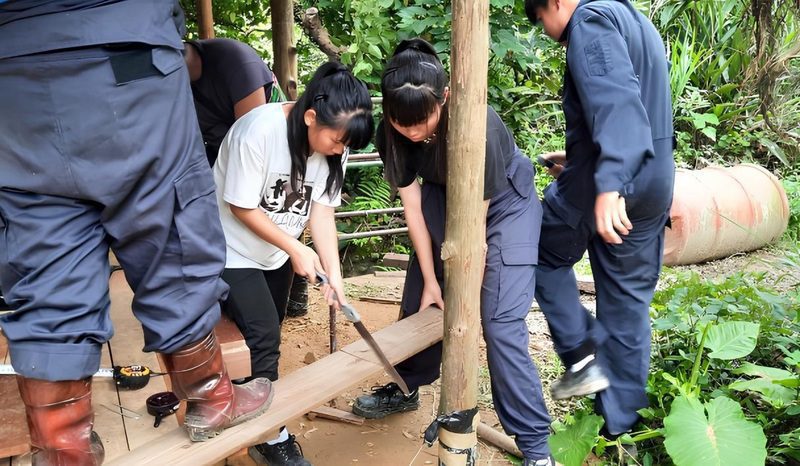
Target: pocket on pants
pixel 202 242
pixel 517 280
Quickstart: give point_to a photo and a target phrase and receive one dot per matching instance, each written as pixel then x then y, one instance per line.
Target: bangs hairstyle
pixel 341 102
pixel 413 85
pixel 530 9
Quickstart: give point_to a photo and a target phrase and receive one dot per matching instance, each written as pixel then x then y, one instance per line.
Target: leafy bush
pixel 723 385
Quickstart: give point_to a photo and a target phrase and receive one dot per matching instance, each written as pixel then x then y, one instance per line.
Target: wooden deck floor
pixel 120 434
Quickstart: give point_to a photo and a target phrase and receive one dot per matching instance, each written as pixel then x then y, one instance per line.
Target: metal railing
pixel 368 160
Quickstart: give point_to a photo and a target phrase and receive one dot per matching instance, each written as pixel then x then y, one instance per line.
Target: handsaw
pixel 353 316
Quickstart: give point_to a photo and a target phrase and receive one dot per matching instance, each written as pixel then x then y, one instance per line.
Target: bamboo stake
pixel 464 248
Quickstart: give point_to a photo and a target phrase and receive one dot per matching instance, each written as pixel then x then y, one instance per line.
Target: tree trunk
pixel 464 248
pixel 285 66
pixel 205 23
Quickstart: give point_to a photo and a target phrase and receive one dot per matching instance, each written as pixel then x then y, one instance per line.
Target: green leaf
pixel 781 376
pixel 362 67
pixel 723 438
pixel 773 393
pixel 570 446
pixel 732 340
pixel 775 150
pixel 375 51
pixel 710 132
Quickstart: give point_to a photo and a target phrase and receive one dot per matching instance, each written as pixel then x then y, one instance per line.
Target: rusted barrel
pixel 719 211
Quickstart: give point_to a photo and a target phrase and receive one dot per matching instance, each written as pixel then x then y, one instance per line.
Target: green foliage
pixel 571 443
pixel 720 105
pixel 792 186
pixel 524 68
pixel 370 192
pixel 723 438
pixel 724 374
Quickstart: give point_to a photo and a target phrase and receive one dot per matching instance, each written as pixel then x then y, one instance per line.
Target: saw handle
pixel 348 310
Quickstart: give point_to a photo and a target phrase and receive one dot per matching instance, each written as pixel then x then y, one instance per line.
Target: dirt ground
pixel 397 440
pixel 393 441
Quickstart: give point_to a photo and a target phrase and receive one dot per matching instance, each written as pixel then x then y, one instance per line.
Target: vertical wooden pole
pixel 205 19
pixel 285 66
pixel 464 248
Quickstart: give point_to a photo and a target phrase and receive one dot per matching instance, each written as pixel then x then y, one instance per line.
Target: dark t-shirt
pixel 232 70
pixel 500 149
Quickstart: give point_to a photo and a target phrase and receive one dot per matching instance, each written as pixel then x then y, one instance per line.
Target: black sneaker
pixel 549 461
pixel 287 453
pixel 385 400
pixel 587 380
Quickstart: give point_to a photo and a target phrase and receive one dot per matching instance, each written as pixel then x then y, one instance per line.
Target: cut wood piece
pixel 396 260
pixel 296 394
pixel 326 412
pixel 585 284
pixel 498 439
pixel 234 349
pixel 379 300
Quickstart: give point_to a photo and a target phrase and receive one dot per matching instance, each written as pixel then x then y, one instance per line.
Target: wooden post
pixel 464 248
pixel 205 23
pixel 285 66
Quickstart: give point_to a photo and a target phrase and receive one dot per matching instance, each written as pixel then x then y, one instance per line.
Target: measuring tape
pixel 131 377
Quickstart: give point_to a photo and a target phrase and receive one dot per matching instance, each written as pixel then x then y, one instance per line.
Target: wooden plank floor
pixel 296 394
pixel 120 434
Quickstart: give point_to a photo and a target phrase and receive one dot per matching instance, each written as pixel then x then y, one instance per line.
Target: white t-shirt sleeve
pixel 246 172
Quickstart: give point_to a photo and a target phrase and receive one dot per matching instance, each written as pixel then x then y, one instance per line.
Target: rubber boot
pixel 213 402
pixel 60 421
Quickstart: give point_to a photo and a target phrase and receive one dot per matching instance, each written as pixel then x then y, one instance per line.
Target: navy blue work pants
pixel 625 277
pixel 101 149
pixel 512 234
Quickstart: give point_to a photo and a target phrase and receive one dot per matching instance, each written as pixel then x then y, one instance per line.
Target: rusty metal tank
pixel 719 211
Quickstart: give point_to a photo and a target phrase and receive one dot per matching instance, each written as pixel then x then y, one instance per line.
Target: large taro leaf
pixel 732 340
pixel 773 393
pixel 724 438
pixel 571 445
pixel 773 374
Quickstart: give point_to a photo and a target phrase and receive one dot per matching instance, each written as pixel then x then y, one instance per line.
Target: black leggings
pixel 257 303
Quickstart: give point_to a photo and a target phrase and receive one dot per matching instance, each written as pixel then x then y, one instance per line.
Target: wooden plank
pixel 108 425
pixel 296 394
pixel 14 438
pixel 126 349
pixel 326 412
pixel 392 259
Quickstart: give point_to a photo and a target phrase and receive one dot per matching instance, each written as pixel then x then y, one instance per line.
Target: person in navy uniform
pixel 612 197
pixel 101 150
pixel 412 141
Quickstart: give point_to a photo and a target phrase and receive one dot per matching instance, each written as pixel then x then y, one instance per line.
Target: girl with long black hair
pixel 411 140
pixel 281 167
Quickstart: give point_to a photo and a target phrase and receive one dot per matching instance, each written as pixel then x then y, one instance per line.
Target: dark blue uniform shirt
pixel 617 106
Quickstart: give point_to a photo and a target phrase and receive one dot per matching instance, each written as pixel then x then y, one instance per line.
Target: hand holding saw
pixel 353 316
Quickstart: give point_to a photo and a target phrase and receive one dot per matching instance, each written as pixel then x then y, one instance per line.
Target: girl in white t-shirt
pixel 280 167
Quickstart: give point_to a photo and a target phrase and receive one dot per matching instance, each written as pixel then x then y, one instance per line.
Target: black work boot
pixel 385 400
pixel 286 453
pixel 585 381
